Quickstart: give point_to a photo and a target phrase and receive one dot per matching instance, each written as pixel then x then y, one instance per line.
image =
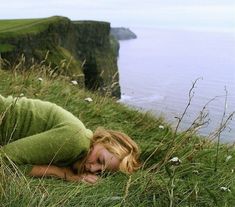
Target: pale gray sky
pixel 214 13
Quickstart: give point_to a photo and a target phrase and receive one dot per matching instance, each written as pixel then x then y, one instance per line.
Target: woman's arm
pixel 54 171
pixel 62 173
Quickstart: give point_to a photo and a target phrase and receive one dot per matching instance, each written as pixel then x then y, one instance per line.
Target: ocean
pixel 158 68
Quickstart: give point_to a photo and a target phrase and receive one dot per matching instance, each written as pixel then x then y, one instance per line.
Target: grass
pixel 61 60
pixel 6 47
pixel 193 182
pixel 19 27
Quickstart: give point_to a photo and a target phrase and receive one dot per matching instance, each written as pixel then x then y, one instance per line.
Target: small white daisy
pixel 225 189
pixel 175 161
pixel 228 158
pixel 195 171
pixel 40 79
pixel 161 127
pixel 74 82
pixel 88 99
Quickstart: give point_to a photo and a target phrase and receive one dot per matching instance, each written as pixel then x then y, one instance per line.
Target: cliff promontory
pixel 122 33
pixel 82 50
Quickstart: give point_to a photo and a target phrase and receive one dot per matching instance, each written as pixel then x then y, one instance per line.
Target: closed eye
pixel 101 161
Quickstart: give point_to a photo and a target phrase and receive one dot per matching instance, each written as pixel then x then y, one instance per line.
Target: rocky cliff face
pixel 83 50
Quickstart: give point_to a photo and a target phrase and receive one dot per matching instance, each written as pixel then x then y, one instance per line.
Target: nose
pixel 93 167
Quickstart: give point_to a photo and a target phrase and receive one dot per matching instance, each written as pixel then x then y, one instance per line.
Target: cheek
pixel 113 165
pixel 116 166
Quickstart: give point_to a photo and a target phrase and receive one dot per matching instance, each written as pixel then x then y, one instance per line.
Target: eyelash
pixel 101 163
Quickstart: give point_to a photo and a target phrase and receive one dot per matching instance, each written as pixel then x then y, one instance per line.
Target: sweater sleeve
pixel 60 146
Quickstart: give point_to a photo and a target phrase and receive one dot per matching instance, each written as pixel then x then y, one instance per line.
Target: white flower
pixel 161 127
pixel 21 94
pixel 228 158
pixel 88 99
pixel 225 189
pixel 195 171
pixel 40 79
pixel 74 82
pixel 175 161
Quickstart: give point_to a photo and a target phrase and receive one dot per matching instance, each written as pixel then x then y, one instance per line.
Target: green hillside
pixel 11 28
pixel 201 179
pixel 16 27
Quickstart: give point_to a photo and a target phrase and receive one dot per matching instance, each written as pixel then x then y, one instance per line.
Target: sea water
pixel 158 69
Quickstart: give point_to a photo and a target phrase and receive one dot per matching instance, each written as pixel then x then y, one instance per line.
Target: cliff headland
pixel 122 33
pixel 82 50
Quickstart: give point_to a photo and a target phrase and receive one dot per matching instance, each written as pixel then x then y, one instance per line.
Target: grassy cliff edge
pixel 82 50
pixel 194 181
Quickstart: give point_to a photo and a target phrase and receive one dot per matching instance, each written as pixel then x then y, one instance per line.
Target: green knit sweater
pixel 34 132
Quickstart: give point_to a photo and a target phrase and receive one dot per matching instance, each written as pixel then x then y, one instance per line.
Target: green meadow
pixel 18 27
pixel 178 168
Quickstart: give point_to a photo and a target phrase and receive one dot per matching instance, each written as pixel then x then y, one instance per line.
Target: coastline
pixel 146 73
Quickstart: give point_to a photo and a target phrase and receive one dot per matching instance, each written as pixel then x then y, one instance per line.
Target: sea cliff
pixel 121 33
pixel 82 50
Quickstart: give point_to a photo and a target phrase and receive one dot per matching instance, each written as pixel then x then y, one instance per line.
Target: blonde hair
pixel 121 146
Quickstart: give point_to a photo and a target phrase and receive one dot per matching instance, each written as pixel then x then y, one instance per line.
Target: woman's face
pixel 100 159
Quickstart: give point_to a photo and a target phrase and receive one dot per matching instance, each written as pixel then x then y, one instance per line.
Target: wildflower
pixel 161 127
pixel 228 158
pixel 40 79
pixel 175 161
pixel 21 95
pixel 195 171
pixel 74 82
pixel 225 189
pixel 88 99
pixel 114 198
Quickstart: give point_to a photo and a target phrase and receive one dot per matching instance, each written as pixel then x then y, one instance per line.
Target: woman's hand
pixel 89 178
pixel 86 178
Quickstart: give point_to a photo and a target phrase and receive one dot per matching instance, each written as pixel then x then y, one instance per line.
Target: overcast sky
pixel 214 13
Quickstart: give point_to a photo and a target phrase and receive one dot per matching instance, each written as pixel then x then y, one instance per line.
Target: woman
pixel 45 140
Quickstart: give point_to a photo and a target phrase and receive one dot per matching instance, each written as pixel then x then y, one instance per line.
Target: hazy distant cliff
pixel 84 50
pixel 121 33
